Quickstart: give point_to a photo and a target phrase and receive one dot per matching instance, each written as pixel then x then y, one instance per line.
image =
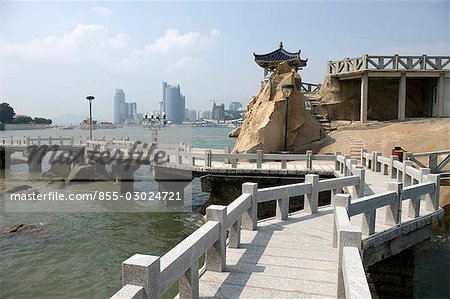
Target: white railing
pixel 394 62
pixel 434 164
pixel 151 276
pixel 191 156
pixel 27 141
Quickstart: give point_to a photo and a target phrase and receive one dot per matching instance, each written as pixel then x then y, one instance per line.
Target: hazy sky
pixel 53 54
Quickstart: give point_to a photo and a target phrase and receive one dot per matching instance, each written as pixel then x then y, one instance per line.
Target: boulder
pixel 12 229
pixel 19 188
pixel 235 133
pixel 61 166
pixel 81 172
pixel 264 122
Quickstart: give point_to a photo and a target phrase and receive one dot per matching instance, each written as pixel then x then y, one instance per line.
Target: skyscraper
pixel 123 112
pixel 119 107
pixel 174 103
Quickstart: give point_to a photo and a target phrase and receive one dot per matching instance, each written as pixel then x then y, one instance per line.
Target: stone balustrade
pixel 150 276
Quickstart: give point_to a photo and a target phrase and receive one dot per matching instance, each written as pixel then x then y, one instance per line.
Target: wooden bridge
pixel 378 209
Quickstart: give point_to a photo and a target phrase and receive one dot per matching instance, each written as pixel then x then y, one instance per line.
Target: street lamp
pixel 287 89
pixel 90 99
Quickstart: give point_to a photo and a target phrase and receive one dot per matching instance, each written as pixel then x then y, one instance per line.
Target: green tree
pixel 42 121
pixel 22 120
pixel 6 113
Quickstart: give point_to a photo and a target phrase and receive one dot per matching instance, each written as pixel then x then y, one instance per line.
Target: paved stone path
pixel 285 259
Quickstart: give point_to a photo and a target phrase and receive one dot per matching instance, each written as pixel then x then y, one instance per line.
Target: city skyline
pixel 67 50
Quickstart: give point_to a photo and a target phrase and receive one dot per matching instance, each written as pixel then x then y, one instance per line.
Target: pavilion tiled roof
pixel 273 58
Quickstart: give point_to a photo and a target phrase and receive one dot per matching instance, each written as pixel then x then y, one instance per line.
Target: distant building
pixel 173 103
pixel 204 115
pixel 218 112
pixel 119 107
pixel 124 112
pixel 191 115
pixel 235 106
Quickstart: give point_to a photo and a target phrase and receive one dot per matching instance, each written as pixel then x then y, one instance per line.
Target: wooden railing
pixel 394 62
pixel 146 276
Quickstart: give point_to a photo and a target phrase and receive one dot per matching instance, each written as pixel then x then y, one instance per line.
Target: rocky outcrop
pixel 81 172
pixel 235 133
pixel 264 122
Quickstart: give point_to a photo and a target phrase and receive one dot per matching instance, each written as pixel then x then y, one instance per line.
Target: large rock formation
pixel 264 122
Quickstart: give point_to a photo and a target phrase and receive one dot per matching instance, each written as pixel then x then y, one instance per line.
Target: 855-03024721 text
pixel 96 195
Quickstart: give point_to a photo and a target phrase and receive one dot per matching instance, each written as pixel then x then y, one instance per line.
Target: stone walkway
pixel 285 259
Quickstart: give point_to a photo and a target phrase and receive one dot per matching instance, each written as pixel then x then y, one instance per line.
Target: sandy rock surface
pixel 264 122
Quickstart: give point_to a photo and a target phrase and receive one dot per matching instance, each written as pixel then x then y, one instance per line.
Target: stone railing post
pixel 188 284
pixel 368 222
pixel 234 234
pixel 72 140
pixel 406 179
pixel 392 171
pixel 259 158
pixel 363 157
pixel 216 255
pixel 39 140
pixel 226 150
pixel 394 211
pixel 348 236
pixel 361 172
pixel 345 168
pixel 309 159
pixel 337 164
pixel 432 199
pixel 50 140
pixel 312 199
pixel 414 203
pixel 377 165
pixel 28 141
pixel 208 161
pixel 143 270
pixel 179 156
pixel 282 208
pixel 61 140
pixel 339 200
pixel 283 164
pixel 233 162
pixel 250 218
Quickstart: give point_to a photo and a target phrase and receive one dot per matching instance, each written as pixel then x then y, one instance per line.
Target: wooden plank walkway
pixel 285 259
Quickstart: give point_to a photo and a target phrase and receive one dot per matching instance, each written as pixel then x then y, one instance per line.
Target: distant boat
pixel 67 128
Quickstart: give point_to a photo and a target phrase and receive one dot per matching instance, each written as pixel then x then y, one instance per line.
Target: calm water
pixel 79 255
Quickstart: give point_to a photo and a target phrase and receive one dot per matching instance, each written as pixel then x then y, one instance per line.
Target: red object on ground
pixel 398 151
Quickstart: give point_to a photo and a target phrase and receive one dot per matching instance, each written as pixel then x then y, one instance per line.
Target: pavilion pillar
pixel 364 97
pixel 440 95
pixel 402 97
